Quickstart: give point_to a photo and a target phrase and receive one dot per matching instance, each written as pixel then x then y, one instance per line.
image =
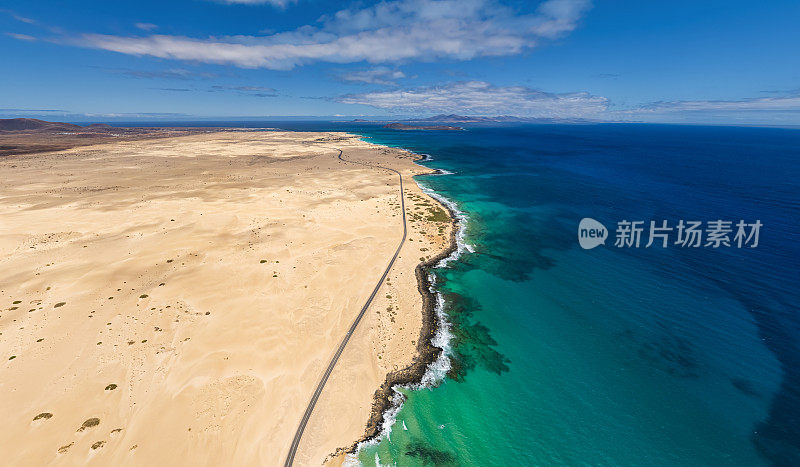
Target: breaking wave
pixel 436 371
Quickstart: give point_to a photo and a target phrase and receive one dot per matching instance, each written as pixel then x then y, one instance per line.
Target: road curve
pixel 307 415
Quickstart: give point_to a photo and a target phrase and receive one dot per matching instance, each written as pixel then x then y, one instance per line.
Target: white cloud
pixel 173 73
pixel 377 75
pixel 390 31
pixel 21 37
pixel 146 26
pixel 23 19
pixel 785 103
pixel 277 3
pixel 481 98
pixel 255 91
pixel 20 111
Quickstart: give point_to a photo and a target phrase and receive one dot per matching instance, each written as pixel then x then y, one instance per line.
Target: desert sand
pixel 174 301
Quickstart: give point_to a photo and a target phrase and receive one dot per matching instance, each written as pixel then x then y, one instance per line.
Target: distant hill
pixel 403 126
pixel 453 118
pixel 32 124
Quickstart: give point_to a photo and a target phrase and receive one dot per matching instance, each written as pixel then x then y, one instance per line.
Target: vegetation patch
pixel 43 415
pixel 92 422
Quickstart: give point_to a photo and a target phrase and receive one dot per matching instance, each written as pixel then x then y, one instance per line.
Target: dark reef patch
pixel 672 354
pixel 745 386
pixel 472 343
pixel 428 455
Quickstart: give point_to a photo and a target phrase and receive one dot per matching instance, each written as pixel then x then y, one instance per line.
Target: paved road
pixel 329 370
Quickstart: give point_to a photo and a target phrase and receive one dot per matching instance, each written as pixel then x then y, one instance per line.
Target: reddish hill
pixel 32 124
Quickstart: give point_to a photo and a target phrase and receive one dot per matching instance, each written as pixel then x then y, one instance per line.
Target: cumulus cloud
pixel 481 98
pixel 378 75
pixel 390 31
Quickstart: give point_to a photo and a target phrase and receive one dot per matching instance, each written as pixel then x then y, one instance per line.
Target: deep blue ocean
pixel 610 356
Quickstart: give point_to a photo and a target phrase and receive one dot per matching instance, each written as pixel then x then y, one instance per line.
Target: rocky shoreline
pixel 427 353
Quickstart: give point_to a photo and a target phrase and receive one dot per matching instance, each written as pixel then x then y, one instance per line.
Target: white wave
pixel 443 172
pixel 428 158
pixel 351 459
pixel 461 243
pixel 436 371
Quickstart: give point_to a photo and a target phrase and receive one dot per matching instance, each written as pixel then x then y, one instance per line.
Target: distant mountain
pixel 403 126
pixel 32 124
pixel 453 118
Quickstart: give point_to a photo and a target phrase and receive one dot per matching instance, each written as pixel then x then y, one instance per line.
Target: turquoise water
pixel 610 356
pixel 564 356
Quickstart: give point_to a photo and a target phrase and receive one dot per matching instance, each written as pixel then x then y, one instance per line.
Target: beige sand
pixel 180 297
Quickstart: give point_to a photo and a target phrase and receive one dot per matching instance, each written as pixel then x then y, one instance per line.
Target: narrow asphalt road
pixel 307 415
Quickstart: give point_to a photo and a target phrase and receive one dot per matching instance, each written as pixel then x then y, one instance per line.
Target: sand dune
pixel 174 301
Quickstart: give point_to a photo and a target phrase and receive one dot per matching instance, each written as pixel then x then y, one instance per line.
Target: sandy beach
pixel 175 300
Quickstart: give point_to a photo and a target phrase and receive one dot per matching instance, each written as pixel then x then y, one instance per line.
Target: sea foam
pixel 437 370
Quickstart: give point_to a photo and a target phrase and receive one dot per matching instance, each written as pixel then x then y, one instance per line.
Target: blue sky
pixel 678 61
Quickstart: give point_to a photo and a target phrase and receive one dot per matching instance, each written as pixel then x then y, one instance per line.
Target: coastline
pixel 387 400
pixel 271 261
pixel 173 274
